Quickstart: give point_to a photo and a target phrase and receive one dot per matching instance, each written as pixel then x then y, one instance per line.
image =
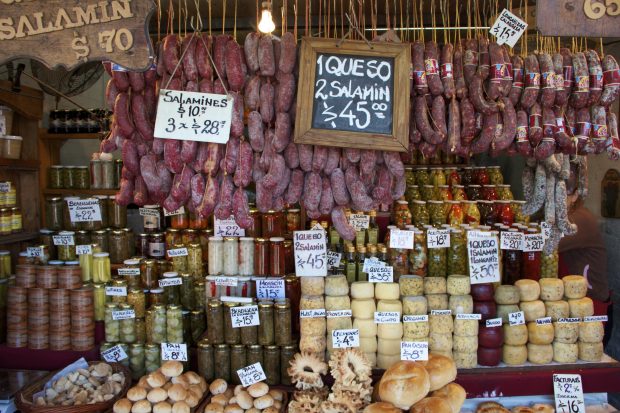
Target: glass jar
pixel 148 274
pixel 246 256
pixel 399 260
pixel 100 238
pixel 428 192
pixel 215 321
pixel 159 327
pixel 67 252
pixel 5 221
pixel 254 354
pixel 157 247
pixel 137 299
pixel 162 267
pixel 237 361
pixel 422 177
pixel 401 214
pixel 194 260
pixel 293 221
pixel 458 193
pixel 101 267
pixel 112 327
pixel 172 292
pixel 481 176
pixel 66 217
pixel 221 361
pixel 179 262
pixel 520 217
pixel 271 225
pixel 549 265
pixel 437 262
pixel 271 355
pixel 455 215
pixel 437 177
pixel 495 175
pixel 173 237
pixel 118 172
pixel 127 326
pixel 99 301
pixel 412 193
pixel 283 322
pixel 152 219
pixel 117 214
pixel 174 324
pixel 187 291
pixel 471 214
pixel 156 296
pixel 266 329
pixel 457 253
pixel 277 257
pixel 420 214
pixel 489 192
pixel 68 176
pixel 198 324
pixel 203 237
pixel 55 175
pixel 152 358
pixel 196 221
pixel 437 213
pixel 216 255
pixel 531 262
pixel 474 192
pixel 119 248
pixel 505 214
pixel 287 353
pixel 511 264
pixel 140 330
pixel 107 171
pixel 119 283
pixel 95 174
pixel 82 180
pixel 206 367
pixel 54 213
pixel 232 335
pixel 504 192
pixel 231 256
pixel 261 257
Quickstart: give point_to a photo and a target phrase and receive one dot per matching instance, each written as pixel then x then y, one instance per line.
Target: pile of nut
pixel 97 384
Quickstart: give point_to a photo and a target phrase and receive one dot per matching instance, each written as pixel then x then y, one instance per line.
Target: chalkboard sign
pixel 353 94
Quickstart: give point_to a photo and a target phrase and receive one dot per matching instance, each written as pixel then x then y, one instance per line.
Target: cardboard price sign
pixel 483 253
pixel 227 228
pixel 310 253
pixel 244 316
pixel 413 350
pixel 517 318
pixel 270 289
pixel 84 210
pixel 177 252
pixel 34 252
pixel 401 239
pixel 251 374
pixel 438 238
pixel 346 338
pixel 568 393
pixel 173 351
pixel 387 317
pixel 333 259
pixel 380 274
pixel 508 28
pixel 167 282
pixel 63 239
pixel 533 242
pixel 511 241
pixel 179 211
pixel 116 291
pixel 225 281
pixel 123 315
pixel 128 271
pixel 494 322
pixel 114 354
pixel 83 249
pixel 359 221
pixel 317 313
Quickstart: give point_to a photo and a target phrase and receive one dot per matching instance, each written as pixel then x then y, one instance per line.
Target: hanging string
pixel 158 21
pixel 198 17
pixel 295 20
pixel 223 16
pixel 209 3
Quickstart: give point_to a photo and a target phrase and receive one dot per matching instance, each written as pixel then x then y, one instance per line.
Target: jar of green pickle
pixel 198 324
pixel 520 217
pixel 137 298
pixel 112 326
pixel 136 360
pixel 67 224
pixel 505 193
pixel 82 179
pixel 437 213
pixel 101 238
pixel 266 331
pixel 121 285
pixel 437 177
pixel 66 251
pixel 232 335
pixel 101 267
pixel 401 214
pixel 152 357
pixel 437 262
pixel 458 193
pixel 422 177
pixel 172 287
pixel 117 214
pixel 283 322
pixel 174 324
pixel 420 215
pixel 158 324
pixel 457 253
pixel 206 365
pixel 68 177
pixel 55 177
pixel 549 265
pixel 271 355
pixel 418 259
pixel 471 213
pixel 99 301
pixel 119 247
pixel 412 193
pixel 200 295
pixel 127 326
pixel 237 361
pixel 179 262
pixel 428 192
pixel 215 321
pixel 495 175
pixel 186 290
pixel 221 361
pixel 194 260
pixel 54 213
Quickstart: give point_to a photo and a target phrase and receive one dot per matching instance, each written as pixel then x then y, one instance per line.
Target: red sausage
pixel 203 61
pixel 234 71
pixel 188 51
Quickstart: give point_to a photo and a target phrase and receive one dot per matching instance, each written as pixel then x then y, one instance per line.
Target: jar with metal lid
pixel 101 267
pixel 118 172
pixel 206 367
pixel 82 237
pixel 180 221
pixel 142 245
pixel 112 326
pixel 246 256
pixel 156 296
pixel 249 334
pixel 277 259
pixel 282 321
pixel 216 255
pixel 200 294
pixel 55 176
pixel 436 212
pixel 511 264
pixel 261 257
pixel 172 292
pixel 140 330
pixel 474 192
pixel 437 262
pixel 271 355
pixel 186 291
pixel 157 247
pixel 286 355
pixel 198 324
pixel 421 176
pixel 237 361
pixel 412 193
pixel 95 174
pixel 401 216
pixel 179 262
pixel 293 221
pixel 118 246
pixel 271 225
pixel 266 329
pixel 152 357
pixel 174 324
pixel 16 220
pixel 428 192
pixel 5 264
pixel 162 267
pixel 549 264
pixel 194 260
pixel 66 252
pixel 196 221
pixel 131 273
pixel 82 180
pixel 54 213
pixel 101 238
pixel 117 214
pixel 215 321
pixel 495 175
pixel 457 253
pixel 203 239
pixel 46 238
pixel 137 298
pixel 99 301
pixel 158 324
pixel 471 213
pixel 189 236
pixel 231 256
pixel 107 171
pixel 66 217
pixel 420 214
pixel 5 221
pixel 68 176
pixel 520 217
pixel 148 273
pixel 127 326
pixel 221 361
pixel 151 218
pixel 232 335
pixel 254 354
pixel 136 360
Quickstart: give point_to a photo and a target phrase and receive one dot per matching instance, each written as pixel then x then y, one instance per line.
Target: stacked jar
pixel 38 318
pixel 60 319
pixel 25 275
pixel 82 319
pixel 17 317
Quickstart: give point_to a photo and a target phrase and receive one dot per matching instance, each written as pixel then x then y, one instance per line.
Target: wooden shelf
pixel 18 237
pixel 44 134
pixel 20 164
pixel 80 191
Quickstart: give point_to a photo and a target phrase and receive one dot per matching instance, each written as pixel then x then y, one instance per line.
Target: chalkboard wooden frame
pixel 398 140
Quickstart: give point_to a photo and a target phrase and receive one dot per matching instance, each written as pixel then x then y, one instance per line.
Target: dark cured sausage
pixel 339 187
pixel 250 48
pixel 523 143
pixel 420 84
pixel 459 79
pixel 339 219
pixel 203 61
pixel 532 82
pixel 509 119
pixel 483 58
pixel 431 67
pixel 600 132
pixel 611 81
pixel 561 93
pixel 547 75
pixel 468 120
pixel 583 127
pixel 496 75
pixel 454 127
pixel 596 77
pixel 234 72
pixel 561 134
pixel 535 125
pixel 470 59
pixel 476 94
pixel 581 88
pixel 188 51
pixel 171 54
pixel 447 70
pixel 517 80
pixel 219 54
pixel 421 119
pixel 489 126
pixel 506 83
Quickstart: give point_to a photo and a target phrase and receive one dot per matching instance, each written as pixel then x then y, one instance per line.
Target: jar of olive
pixel 420 215
pixel 221 361
pixel 282 321
pixel 136 360
pixel 237 361
pixel 127 326
pixel 194 260
pixel 158 324
pixel 549 265
pixel 186 290
pixel 271 355
pixel 232 335
pixel 137 299
pixel 422 177
pixel 457 253
pixel 55 177
pixel 412 193
pixel 266 327
pixel 215 321
pixel 200 295
pixel 172 289
pixel 121 285
pixel 249 334
pixel 437 213
pixel 174 324
pixel 112 326
pixel 286 355
pixel 152 357
pixel 437 262
pixel 254 354
pixel 179 262
pixel 198 324
pixel 206 367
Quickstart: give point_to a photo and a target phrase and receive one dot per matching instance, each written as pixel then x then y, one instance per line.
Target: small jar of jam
pixel 277 262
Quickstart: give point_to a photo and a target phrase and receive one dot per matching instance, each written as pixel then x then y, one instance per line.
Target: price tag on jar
pixel 517 318
pixel 177 252
pixel 401 239
pixel 149 212
pixel 346 338
pixel 225 281
pixel 5 187
pixel 251 374
pixel 168 282
pixel 116 291
pixel 413 350
pixel 533 242
pixel 244 316
pixel 568 393
pixel 333 259
pixel 34 252
pixel 130 271
pixel 83 249
pixel 438 238
pixel 173 351
pixel 372 261
pixel 114 354
pixel 359 221
pixel 84 210
pixel 63 239
pixel 508 28
pixel 123 315
pixel 310 253
pixel 511 241
pixel 483 254
pixel 179 211
pixel 227 228
pixel 380 274
pixel 270 289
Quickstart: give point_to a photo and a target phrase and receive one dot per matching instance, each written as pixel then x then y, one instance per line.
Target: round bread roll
pixel 141 406
pixel 244 400
pixel 172 368
pixel 143 383
pixel 521 409
pixel 218 386
pixel 192 399
pixel 529 290
pixel 238 389
pixel 271 409
pixel 136 393
pixel 263 401
pixel 382 407
pixel 162 407
pixel 543 408
pixel 221 399
pixel 258 390
pixel 181 407
pixel 441 370
pixel 431 405
pixel 177 392
pixel 454 394
pixel 157 395
pixel 156 379
pixel 214 408
pixel 233 408
pixel 122 406
pixel 404 384
pixel 192 377
pixel 278 395
pixel 182 380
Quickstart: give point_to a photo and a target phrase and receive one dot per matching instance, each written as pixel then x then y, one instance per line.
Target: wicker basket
pixel 23 399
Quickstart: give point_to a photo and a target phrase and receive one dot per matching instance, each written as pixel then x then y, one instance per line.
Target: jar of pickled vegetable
pixel 196 221
pixel 232 335
pixel 488 214
pixel 452 176
pixel 399 260
pixel 511 264
pixel 428 192
pixel 437 262
pixel 137 298
pixel 457 253
pixel 246 256
pixel 458 193
pixel 216 255
pixel 283 322
pixel 68 176
pixel 549 265
pixel 409 175
pixel 157 246
pixel 495 175
pixel 293 221
pixel 56 177
pixel 198 324
pixel 531 261
pixel 474 192
pixel 271 225
pixel 504 192
pixel 221 361
pixel 422 177
pixel 437 177
pixel 189 235
pixel 436 212
pixel 117 214
pixel 266 329
pixel 152 358
pixel 420 214
pixel 505 215
pixel 99 300
pixel 66 217
pixel 489 192
pixel 276 256
pixel 205 360
pixel 471 214
pixel 101 267
pixel 186 290
pixel 401 214
pixel 152 218
pixel 112 326
pixel 66 252
pixel 231 256
pixel 174 324
pixel 118 246
pixel 467 176
pixel 520 217
pixel 456 216
pixel 179 262
pixel 271 355
pixel 412 193
pixel 180 221
pixel 237 361
pixel 261 257
pixel 249 334
pixel 127 327
pixel 156 325
pixel 255 354
pixel 148 273
pixel 215 322
pixel 194 260
pixel 481 176
pixel 287 353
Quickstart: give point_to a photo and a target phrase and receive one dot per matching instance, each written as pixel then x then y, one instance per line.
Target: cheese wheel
pixel 581 307
pixel 372 359
pixel 441 323
pixel 363 308
pixel 514 355
pixel 590 351
pixel 387 291
pixel 507 294
pixel 533 310
pixel 539 353
pixel 557 309
pixel 336 285
pixel 385 361
pixel 529 290
pixel 540 333
pixel 461 304
pixel 435 285
pixel 337 302
pixel 415 305
pixel 575 286
pixel 565 353
pixel 362 289
pixel 312 326
pixel 551 289
pixel 419 329
pixel 311 302
pixel 458 285
pixel 440 342
pixel 416 339
pixel 367 327
pixel 490 356
pixel 390 305
pixel 338 323
pixel 437 301
pixel 447 353
pixel 465 327
pixel 504 309
pixel 392 330
pixel 464 343
pixel 566 332
pixel 465 360
pixel 312 285
pixel 515 335
pixel 368 344
pixel 591 332
pixel 388 346
pixel 313 344
pixel 411 285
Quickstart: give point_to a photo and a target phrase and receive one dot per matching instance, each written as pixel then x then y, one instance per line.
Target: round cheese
pixel 557 309
pixel 515 335
pixel 415 305
pixel 591 332
pixel 390 305
pixel 387 291
pixel 441 323
pixel 447 353
pixel 336 285
pixel 337 302
pixel 540 333
pixel 362 289
pixel 440 342
pixel 567 333
pixel 363 308
pixel 435 285
pixel 533 309
pixel 465 327
pixel 575 286
pixel 368 344
pixel 312 326
pixel 529 290
pixel 504 309
pixel 581 307
pixel 313 344
pixel 411 285
pixel 590 351
pixel 464 343
pixel 514 355
pixel 465 360
pixel 437 301
pixel 392 330
pixel 419 329
pixel 551 289
pixel 372 359
pixel 338 323
pixel 461 304
pixel 539 353
pixel 565 353
pixel 312 285
pixel 367 327
pixel 385 362
pixel 311 302
pixel 458 285
pixel 416 339
pixel 388 346
pixel 507 294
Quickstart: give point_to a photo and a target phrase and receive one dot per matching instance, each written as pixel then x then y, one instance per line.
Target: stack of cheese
pixel 565 349
pixel 337 307
pixel 390 332
pixel 465 338
pixel 415 308
pixel 540 330
pixel 312 328
pixel 490 333
pixel 363 308
pixel 591 330
pixel 514 350
pixel 440 321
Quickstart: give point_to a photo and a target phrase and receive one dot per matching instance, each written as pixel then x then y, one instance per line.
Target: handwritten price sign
pixel 63 239
pixel 228 228
pixel 346 338
pixel 401 239
pixel 413 350
pixel 173 351
pixel 515 319
pixel 511 241
pixel 83 249
pixel 359 221
pixel 310 253
pixel 34 252
pixel 568 392
pixel 533 242
pixel 438 238
pixel 114 354
pixel 483 252
pixel 508 28
pixel 251 374
pixel 270 289
pixel 244 316
pixel 333 259
pixel 84 210
pixel 380 274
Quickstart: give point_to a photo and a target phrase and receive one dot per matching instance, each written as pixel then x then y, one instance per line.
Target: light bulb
pixel 266 24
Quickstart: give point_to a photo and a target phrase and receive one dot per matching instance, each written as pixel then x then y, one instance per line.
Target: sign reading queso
pixel 70 32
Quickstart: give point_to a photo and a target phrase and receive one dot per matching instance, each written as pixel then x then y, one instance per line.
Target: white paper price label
pixel 63 239
pixel 270 289
pixel 168 282
pixel 359 221
pixel 346 338
pixel 511 241
pixel 413 351
pixel 483 253
pixel 400 239
pixel 508 28
pixel 225 281
pixel 310 253
pixel 494 322
pixel 83 249
pixel 227 228
pixel 116 291
pixel 372 261
pixel 381 274
pixel 178 211
pixel 441 312
pixel 568 393
pixel 333 259
pixel 316 313
pixel 533 242
pixel 387 317
pixel 244 316
pixel 177 252
pixel 415 318
pixel 438 238
pixel 128 271
pixel 339 313
pixel 469 316
pixel 602 318
pixel 251 374
pixel 34 252
pixel 569 320
pixel 543 321
pixel 123 314
pixel 149 212
pixel 516 318
pixel 84 210
pixel 5 187
pixel 173 351
pixel 114 354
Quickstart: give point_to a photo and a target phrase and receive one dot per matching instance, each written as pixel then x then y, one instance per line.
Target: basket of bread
pixel 256 398
pixel 79 388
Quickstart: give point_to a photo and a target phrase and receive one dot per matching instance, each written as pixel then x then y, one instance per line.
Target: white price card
pixel 244 316
pixel 602 318
pixel 193 116
pixel 438 238
pixel 346 338
pixel 128 271
pixel 387 317
pixel 168 282
pixel 494 322
pixel 441 312
pixel 177 252
pixel 339 313
pixel 223 281
pixel 413 350
pixel 533 242
pixel 123 314
pixel 415 318
pixel 116 291
pixel 173 351
pixel 63 239
pixel 178 211
pixel 372 261
pixel 316 313
pixel 400 239
pixel 380 274
pixel 516 318
pixel 469 316
pixel 568 393
pixel 483 254
pixel 84 210
pixel 359 221
pixel 227 228
pixel 569 320
pixel 310 253
pixel 149 212
pixel 84 249
pixel 333 259
pixel 270 289
pixel 545 229
pixel 5 187
pixel 511 241
pixel 543 321
pixel 114 354
pixel 508 28
pixel 251 374
pixel 34 252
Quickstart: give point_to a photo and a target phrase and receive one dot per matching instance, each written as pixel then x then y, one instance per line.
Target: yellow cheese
pixel 362 289
pixel 441 324
pixel 415 305
pixel 514 355
pixel 539 353
pixel 565 353
pixel 447 353
pixel 338 323
pixel 435 285
pixel 388 346
pixel 575 286
pixel 368 344
pixel 363 308
pixel 557 309
pixel 440 342
pixel 313 344
pixel 533 309
pixel 312 285
pixel 372 359
pixel 311 302
pixel 581 307
pixel 464 344
pixel 567 333
pixel 529 290
pixel 504 309
pixel 367 327
pixel 461 304
pixel 390 305
pixel 336 285
pixel 507 294
pixel 387 291
pixel 465 360
pixel 312 326
pixel 551 289
pixel 437 301
pixel 385 362
pixel 339 302
pixel 590 351
pixel 465 327
pixel 419 329
pixel 411 285
pixel 540 333
pixel 515 335
pixel 591 332
pixel 458 285
pixel 391 330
